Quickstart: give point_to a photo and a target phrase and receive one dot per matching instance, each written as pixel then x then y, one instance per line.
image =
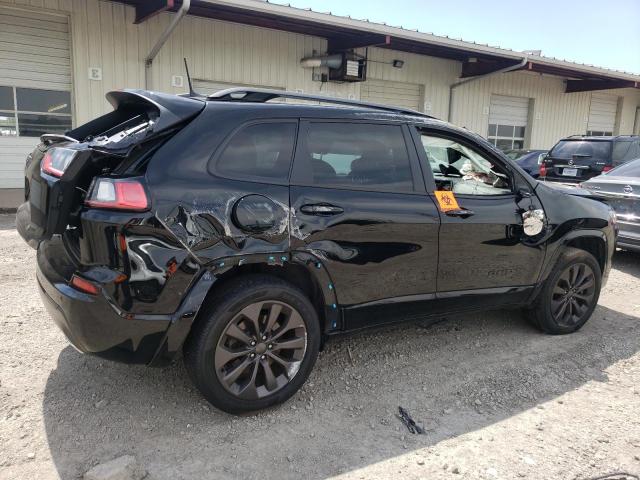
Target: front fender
pixel 561 243
pixel 570 219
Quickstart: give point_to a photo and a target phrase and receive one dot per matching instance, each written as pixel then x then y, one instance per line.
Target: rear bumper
pixel 29 232
pixel 628 233
pixel 628 241
pixel 91 324
pixel 561 179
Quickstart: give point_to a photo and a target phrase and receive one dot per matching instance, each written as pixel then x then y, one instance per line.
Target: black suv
pixel 244 233
pixel 578 158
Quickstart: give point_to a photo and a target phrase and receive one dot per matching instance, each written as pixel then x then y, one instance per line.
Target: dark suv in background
pixel 578 158
pixel 244 233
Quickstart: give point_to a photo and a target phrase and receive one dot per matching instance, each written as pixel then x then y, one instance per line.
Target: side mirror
pixel 523 193
pixel 533 222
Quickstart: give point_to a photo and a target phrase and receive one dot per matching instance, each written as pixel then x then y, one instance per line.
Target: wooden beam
pixel 339 44
pixel 483 67
pixel 590 85
pixel 149 8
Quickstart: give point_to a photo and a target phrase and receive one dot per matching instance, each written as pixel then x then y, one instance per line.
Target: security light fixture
pixel 398 63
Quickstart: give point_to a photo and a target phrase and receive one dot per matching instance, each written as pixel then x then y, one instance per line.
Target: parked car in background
pixel 620 188
pixel 529 160
pixel 578 158
pixel 245 233
pixel 516 153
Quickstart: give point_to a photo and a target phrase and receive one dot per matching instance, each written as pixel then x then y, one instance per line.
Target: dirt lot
pixel 497 400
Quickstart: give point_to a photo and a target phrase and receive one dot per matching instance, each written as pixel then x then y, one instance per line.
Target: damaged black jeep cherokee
pixel 245 232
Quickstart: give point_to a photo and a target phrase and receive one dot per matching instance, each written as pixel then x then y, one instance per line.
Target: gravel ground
pixel 497 400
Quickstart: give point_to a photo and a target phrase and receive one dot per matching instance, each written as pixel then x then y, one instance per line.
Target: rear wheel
pixel 254 344
pixel 569 295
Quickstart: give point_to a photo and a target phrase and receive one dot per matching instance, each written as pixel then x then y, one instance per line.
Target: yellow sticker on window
pixel 446 200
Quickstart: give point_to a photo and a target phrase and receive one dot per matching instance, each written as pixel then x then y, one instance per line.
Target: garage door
pixel 508 121
pixel 35 85
pixel 207 87
pixel 398 94
pixel 602 114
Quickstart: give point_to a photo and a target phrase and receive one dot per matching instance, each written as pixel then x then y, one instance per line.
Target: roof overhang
pixel 148 8
pixel 344 33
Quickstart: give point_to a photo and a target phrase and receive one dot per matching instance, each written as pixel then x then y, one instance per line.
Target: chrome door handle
pixel 321 209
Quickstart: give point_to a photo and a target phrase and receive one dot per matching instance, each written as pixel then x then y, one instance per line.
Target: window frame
pixel 300 175
pixel 212 164
pixel 493 139
pixel 516 180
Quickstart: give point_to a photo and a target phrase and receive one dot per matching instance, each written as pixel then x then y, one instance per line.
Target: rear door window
pixel 620 152
pixel 623 151
pixel 631 169
pixel 356 155
pixel 261 151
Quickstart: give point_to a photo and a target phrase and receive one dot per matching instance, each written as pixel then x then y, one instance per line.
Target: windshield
pixel 568 149
pixel 631 169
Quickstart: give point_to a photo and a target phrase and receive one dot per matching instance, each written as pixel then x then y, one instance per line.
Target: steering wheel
pixel 448 170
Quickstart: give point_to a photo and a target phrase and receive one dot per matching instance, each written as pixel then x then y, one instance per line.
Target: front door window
pixel 462 170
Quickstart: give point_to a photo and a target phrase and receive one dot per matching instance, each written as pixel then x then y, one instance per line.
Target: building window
pixel 599 133
pixel 506 137
pixel 31 112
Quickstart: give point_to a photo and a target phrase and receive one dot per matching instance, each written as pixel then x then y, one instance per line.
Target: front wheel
pixel 254 344
pixel 569 295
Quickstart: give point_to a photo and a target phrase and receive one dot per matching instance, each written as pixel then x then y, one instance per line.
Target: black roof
pixel 251 110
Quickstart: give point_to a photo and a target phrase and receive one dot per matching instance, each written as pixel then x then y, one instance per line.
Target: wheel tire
pixel 210 341
pixel 546 313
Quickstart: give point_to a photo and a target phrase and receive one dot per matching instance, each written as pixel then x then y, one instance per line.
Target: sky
pixel 605 33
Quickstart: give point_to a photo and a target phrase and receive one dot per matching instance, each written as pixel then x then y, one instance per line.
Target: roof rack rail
pixel 262 95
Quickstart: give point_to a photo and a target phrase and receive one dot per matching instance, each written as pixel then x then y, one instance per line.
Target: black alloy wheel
pixel 569 295
pixel 254 343
pixel 573 294
pixel 261 349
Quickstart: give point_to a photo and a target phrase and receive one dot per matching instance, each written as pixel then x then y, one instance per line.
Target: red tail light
pixel 56 161
pixel 607 168
pixel 84 285
pixel 543 170
pixel 118 194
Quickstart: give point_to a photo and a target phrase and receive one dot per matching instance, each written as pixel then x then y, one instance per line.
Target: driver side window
pixel 464 171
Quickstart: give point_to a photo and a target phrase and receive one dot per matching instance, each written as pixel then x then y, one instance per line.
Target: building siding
pixel 435 74
pixel 103 35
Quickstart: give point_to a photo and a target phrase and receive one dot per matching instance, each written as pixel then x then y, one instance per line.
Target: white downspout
pixel 510 68
pixel 148 61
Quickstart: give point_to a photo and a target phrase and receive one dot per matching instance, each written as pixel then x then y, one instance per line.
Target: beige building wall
pixel 434 74
pixel 555 113
pixel 103 35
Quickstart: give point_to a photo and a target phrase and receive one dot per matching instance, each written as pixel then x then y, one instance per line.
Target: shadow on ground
pixel 453 377
pixel 627 262
pixel 7 221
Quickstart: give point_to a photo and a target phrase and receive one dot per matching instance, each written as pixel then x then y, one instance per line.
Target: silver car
pixel 620 188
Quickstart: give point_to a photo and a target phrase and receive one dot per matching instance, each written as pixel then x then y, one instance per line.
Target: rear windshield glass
pixel 581 148
pixel 631 169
